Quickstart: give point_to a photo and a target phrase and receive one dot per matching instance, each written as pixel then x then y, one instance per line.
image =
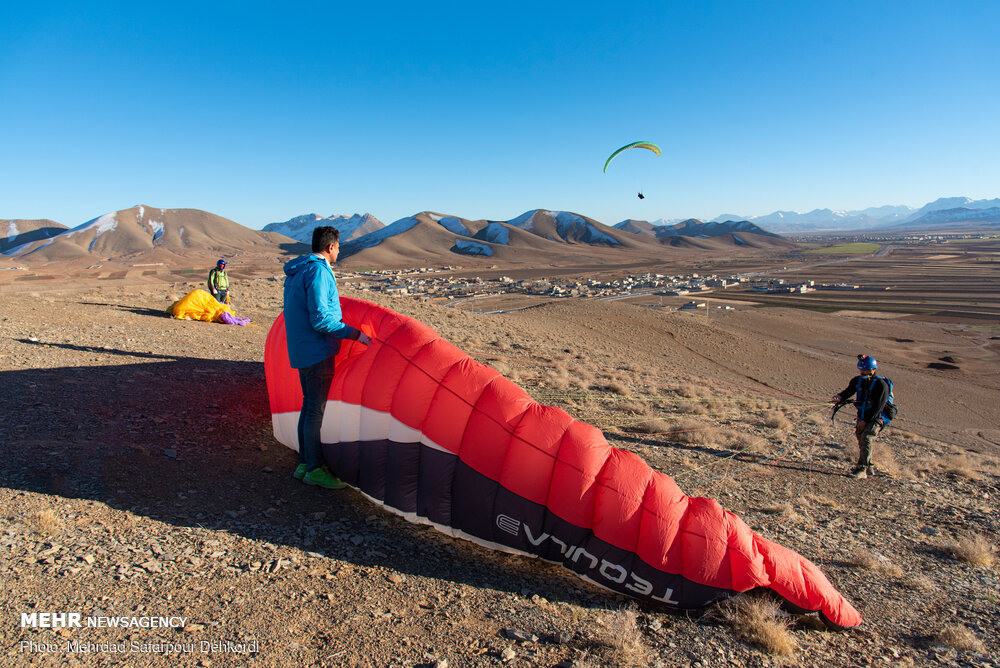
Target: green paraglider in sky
pixel 638 144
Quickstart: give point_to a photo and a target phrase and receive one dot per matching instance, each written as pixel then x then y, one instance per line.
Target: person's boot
pixel 870 471
pixel 858 472
pixel 300 472
pixel 322 477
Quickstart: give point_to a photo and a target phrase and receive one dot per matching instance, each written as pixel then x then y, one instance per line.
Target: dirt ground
pixel 139 478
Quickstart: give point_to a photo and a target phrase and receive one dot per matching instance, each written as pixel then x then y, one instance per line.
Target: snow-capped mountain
pixel 829 220
pixel 301 228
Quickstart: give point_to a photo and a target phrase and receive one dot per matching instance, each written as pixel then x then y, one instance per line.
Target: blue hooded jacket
pixel 313 319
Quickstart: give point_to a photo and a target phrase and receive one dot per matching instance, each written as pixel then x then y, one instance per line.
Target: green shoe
pixel 323 478
pixel 300 472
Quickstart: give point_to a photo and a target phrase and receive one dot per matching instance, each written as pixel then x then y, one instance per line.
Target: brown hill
pixel 151 235
pixel 16 232
pixel 536 238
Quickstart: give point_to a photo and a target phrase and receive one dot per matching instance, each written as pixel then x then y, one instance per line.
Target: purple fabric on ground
pixel 231 319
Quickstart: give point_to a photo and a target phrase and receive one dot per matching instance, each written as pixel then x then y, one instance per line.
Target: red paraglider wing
pixel 428 432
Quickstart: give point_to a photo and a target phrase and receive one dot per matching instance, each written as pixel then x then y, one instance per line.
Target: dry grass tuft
pixel 785 510
pixel 756 620
pixel 45 522
pixel 612 387
pixel 865 558
pixel 622 635
pixel 918 583
pixel 962 465
pixel 651 427
pixel 776 420
pixel 973 549
pixel 961 639
pixel 737 440
pixel 820 500
pixel 633 407
pixel 689 391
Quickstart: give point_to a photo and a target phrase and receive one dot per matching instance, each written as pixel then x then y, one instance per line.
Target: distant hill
pixel 149 234
pixel 735 233
pixel 17 232
pixel 301 228
pixel 959 216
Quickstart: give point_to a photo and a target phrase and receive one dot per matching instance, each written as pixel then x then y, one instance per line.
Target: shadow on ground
pixel 188 442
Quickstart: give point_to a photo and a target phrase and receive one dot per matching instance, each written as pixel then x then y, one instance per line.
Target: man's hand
pixel 364 339
pixel 835 398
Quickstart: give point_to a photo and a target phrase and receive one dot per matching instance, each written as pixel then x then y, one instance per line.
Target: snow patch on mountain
pixel 378 236
pixel 495 233
pixel 466 247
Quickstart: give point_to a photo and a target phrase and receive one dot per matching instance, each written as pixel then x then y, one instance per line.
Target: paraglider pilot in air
pixel 314 328
pixel 871 394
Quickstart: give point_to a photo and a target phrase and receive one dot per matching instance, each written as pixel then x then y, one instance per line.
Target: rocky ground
pixel 140 478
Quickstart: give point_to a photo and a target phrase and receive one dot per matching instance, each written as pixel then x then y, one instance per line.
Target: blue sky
pixel 263 111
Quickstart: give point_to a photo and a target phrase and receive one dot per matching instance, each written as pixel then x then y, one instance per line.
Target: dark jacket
pixel 872 393
pixel 313 324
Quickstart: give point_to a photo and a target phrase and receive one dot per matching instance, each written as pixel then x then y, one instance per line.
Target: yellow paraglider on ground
pixel 200 305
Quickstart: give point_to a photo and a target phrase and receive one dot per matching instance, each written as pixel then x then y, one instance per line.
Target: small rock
pixel 508 655
pixel 520 636
pixel 170 453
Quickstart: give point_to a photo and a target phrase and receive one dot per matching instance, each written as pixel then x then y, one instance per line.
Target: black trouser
pixel 865 437
pixel 222 296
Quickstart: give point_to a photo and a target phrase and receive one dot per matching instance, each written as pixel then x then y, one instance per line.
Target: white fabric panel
pixel 330 431
pixel 374 424
pixel 344 422
pixel 286 429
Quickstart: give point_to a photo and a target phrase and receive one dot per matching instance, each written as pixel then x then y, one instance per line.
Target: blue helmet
pixel 220 263
pixel 867 363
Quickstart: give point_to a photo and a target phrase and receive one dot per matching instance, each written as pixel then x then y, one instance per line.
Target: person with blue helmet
pixel 218 282
pixel 314 330
pixel 870 394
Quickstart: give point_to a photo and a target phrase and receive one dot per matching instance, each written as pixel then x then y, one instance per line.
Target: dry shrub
pixel 820 500
pixel 736 440
pixel 613 387
pixel 714 405
pixel 45 522
pixel 561 384
pixel 633 407
pixel 776 420
pixel 693 409
pixel 622 635
pixel 689 391
pixel 785 510
pixel 693 432
pixel 502 367
pixel 961 639
pixel 756 620
pixel 918 583
pixel 651 427
pixel 962 465
pixel 865 558
pixel 973 549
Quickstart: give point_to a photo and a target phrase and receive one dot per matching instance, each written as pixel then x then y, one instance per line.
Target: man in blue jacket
pixel 314 330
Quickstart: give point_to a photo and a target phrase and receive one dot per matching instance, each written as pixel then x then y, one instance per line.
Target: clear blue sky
pixel 263 111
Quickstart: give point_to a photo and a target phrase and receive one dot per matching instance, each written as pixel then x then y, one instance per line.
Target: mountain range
pixel 144 236
pixel 887 218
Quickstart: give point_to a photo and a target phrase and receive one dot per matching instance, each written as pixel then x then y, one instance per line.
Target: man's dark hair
pixel 324 236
